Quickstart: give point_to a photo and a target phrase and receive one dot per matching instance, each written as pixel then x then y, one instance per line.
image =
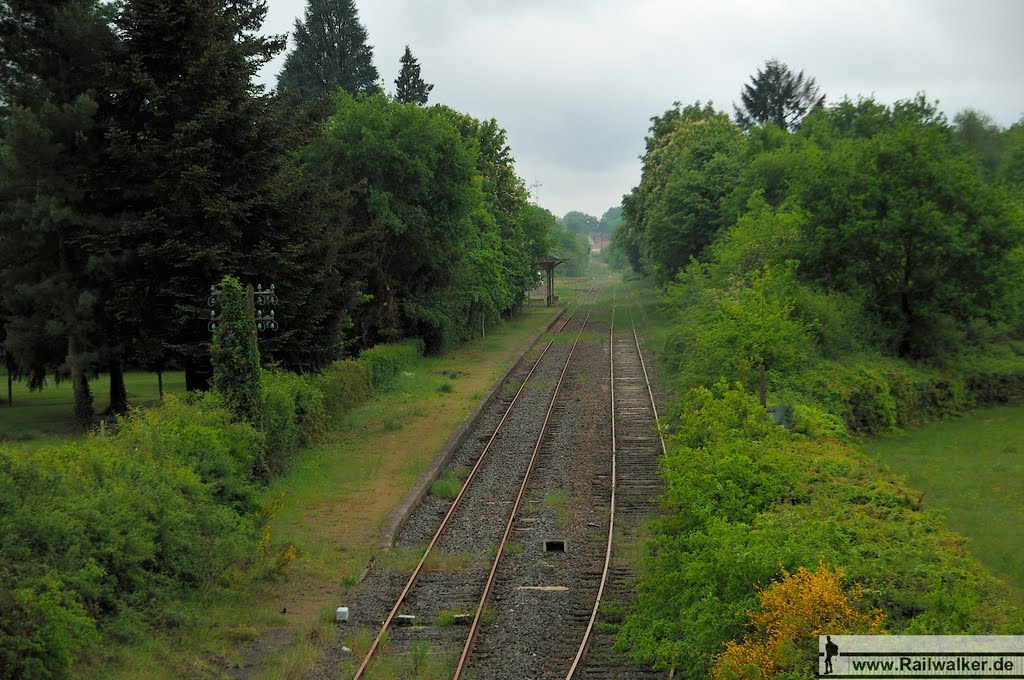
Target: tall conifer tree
pixel 410 88
pixel 51 57
pixel 777 95
pixel 330 52
pixel 196 153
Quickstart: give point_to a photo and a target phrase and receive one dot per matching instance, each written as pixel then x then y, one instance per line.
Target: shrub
pixel 817 424
pixel 99 531
pixel 995 377
pixel 793 611
pixel 747 502
pixel 384 362
pixel 42 627
pixel 344 384
pixel 293 412
pixel 202 434
pixel 234 355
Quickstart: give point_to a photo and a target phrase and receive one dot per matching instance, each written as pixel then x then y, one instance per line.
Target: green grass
pixel 970 469
pixel 42 417
pixel 446 486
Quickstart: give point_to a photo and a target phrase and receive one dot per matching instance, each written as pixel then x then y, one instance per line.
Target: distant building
pixel 598 241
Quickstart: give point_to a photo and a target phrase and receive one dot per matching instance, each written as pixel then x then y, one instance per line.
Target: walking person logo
pixel 831 650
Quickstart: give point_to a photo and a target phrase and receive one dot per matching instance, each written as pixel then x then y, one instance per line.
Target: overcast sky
pixel 575 82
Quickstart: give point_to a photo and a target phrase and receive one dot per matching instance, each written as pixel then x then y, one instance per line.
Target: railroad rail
pixel 465 488
pixel 552 639
pixel 545 608
pixel 641 446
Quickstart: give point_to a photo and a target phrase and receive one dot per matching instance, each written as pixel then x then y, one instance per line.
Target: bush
pixel 736 329
pixel 344 384
pixel 995 377
pixel 42 627
pixel 97 532
pixel 293 412
pixel 747 502
pixel 793 611
pixel 384 362
pixel 234 355
pixel 199 433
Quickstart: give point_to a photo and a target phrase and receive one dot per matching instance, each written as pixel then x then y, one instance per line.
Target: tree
pixel 693 161
pixel 521 239
pixel 193 156
pixel 52 57
pixel 417 203
pixel 330 52
pixel 980 134
pixel 611 220
pixel 1011 168
pixel 409 86
pixel 573 247
pixel 778 96
pixel 579 223
pixel 906 221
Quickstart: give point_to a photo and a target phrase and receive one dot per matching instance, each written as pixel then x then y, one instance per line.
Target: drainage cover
pixel 554 545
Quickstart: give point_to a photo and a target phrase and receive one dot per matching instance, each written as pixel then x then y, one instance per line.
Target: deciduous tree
pixel 905 220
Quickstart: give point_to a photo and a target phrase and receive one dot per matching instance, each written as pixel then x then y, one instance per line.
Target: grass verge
pixel 41 417
pixel 335 502
pixel 970 469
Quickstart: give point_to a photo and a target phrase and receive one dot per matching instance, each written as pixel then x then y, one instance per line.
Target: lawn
pixel 44 416
pixel 971 469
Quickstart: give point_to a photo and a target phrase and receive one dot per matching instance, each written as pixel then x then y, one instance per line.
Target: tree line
pixel 913 219
pixel 854 267
pixel 140 163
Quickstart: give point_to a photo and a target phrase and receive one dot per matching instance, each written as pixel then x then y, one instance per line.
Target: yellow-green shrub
pixel 292 413
pixel 793 611
pixel 384 362
pixel 344 384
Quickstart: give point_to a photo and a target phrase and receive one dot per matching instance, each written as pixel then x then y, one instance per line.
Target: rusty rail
pixel 471 637
pixel 418 570
pixel 584 643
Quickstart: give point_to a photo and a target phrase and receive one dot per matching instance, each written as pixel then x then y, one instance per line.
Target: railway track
pixel 637 446
pixel 523 555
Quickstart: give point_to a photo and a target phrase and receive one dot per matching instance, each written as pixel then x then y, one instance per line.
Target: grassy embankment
pixel 970 469
pixel 334 502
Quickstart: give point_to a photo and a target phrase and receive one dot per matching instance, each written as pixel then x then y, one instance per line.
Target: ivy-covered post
pixel 234 355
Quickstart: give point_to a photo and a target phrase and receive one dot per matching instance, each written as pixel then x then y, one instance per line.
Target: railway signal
pixel 261 302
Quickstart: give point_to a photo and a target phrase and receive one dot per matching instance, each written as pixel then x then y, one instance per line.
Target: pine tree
pixel 52 56
pixel 776 95
pixel 410 88
pixel 194 153
pixel 330 52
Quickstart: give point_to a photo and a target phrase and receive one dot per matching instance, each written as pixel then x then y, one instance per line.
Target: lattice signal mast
pixel 533 190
